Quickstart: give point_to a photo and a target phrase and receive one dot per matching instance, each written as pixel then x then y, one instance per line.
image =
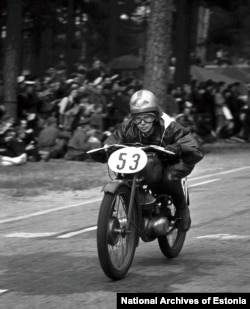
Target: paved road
pixel 48 256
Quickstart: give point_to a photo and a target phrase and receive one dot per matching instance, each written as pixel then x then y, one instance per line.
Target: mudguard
pixel 112 186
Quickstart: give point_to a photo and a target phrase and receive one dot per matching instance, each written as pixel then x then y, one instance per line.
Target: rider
pixel 149 125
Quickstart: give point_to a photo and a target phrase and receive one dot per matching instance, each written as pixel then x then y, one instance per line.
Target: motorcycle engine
pixel 156 225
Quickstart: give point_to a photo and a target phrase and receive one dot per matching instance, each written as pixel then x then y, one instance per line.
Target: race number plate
pixel 127 160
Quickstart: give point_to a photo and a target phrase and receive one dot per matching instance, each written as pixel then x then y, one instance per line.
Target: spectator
pixel 235 103
pixel 27 136
pixel 66 104
pixel 220 103
pixel 6 123
pixel 84 138
pixel 187 120
pixel 25 133
pixel 245 131
pixel 209 103
pixel 219 56
pixel 13 152
pixel 95 71
pixel 52 141
pixel 28 100
pixel 9 161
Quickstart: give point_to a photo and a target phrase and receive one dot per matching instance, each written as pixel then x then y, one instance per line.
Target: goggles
pixel 147 118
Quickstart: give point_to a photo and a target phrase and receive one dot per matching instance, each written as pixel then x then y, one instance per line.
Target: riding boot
pixel 182 209
pixel 175 189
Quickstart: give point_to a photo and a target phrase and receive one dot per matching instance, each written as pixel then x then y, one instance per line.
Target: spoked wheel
pixel 172 244
pixel 116 245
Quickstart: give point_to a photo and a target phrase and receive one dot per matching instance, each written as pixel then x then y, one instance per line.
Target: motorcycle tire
pixel 115 246
pixel 171 244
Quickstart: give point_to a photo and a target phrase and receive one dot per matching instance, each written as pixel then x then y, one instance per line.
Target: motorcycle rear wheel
pixel 172 244
pixel 116 246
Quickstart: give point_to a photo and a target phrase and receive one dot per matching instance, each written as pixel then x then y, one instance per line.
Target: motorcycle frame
pixel 134 200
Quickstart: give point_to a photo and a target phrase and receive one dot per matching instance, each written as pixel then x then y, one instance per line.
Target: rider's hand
pixel 175 148
pixel 106 146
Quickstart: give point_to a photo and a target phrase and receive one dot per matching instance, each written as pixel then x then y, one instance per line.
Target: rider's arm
pixel 184 144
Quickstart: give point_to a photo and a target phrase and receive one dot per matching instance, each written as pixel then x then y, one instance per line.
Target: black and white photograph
pixel 124 153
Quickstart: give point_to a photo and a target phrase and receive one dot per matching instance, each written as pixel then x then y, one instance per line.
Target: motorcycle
pixel 130 211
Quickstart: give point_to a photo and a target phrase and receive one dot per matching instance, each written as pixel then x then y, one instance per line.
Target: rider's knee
pixel 178 171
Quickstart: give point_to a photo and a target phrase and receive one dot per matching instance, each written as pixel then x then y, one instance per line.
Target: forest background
pixel 37 34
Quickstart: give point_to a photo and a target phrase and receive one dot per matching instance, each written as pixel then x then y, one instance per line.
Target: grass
pixel 34 178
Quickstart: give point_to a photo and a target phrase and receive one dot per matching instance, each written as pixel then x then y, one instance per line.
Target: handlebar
pixel 158 148
pixel 106 147
pixel 143 147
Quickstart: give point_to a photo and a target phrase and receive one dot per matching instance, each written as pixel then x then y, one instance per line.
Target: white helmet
pixel 143 101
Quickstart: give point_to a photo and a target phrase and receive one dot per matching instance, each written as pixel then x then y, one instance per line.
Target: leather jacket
pixel 166 132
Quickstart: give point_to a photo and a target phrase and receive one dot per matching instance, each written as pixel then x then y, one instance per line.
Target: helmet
pixel 143 101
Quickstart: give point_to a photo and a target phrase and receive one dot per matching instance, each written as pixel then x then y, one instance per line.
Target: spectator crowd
pixel 59 117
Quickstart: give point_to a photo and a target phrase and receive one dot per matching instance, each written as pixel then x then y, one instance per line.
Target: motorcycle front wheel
pixel 116 245
pixel 172 243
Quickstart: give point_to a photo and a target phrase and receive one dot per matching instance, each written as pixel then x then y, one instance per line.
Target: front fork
pixel 135 202
pixel 131 200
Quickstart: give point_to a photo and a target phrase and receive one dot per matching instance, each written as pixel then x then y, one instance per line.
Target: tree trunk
pixel 158 50
pixel 48 53
pixel 194 12
pixel 36 38
pixel 203 25
pixel 113 24
pixel 46 56
pixel 12 55
pixel 183 42
pixel 70 36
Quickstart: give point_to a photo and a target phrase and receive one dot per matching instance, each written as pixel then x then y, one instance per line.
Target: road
pixel 48 256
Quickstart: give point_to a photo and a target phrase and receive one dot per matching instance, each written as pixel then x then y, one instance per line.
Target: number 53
pixel 124 160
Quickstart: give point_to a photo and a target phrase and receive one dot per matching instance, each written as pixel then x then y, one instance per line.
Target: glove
pixel 176 148
pixel 98 157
